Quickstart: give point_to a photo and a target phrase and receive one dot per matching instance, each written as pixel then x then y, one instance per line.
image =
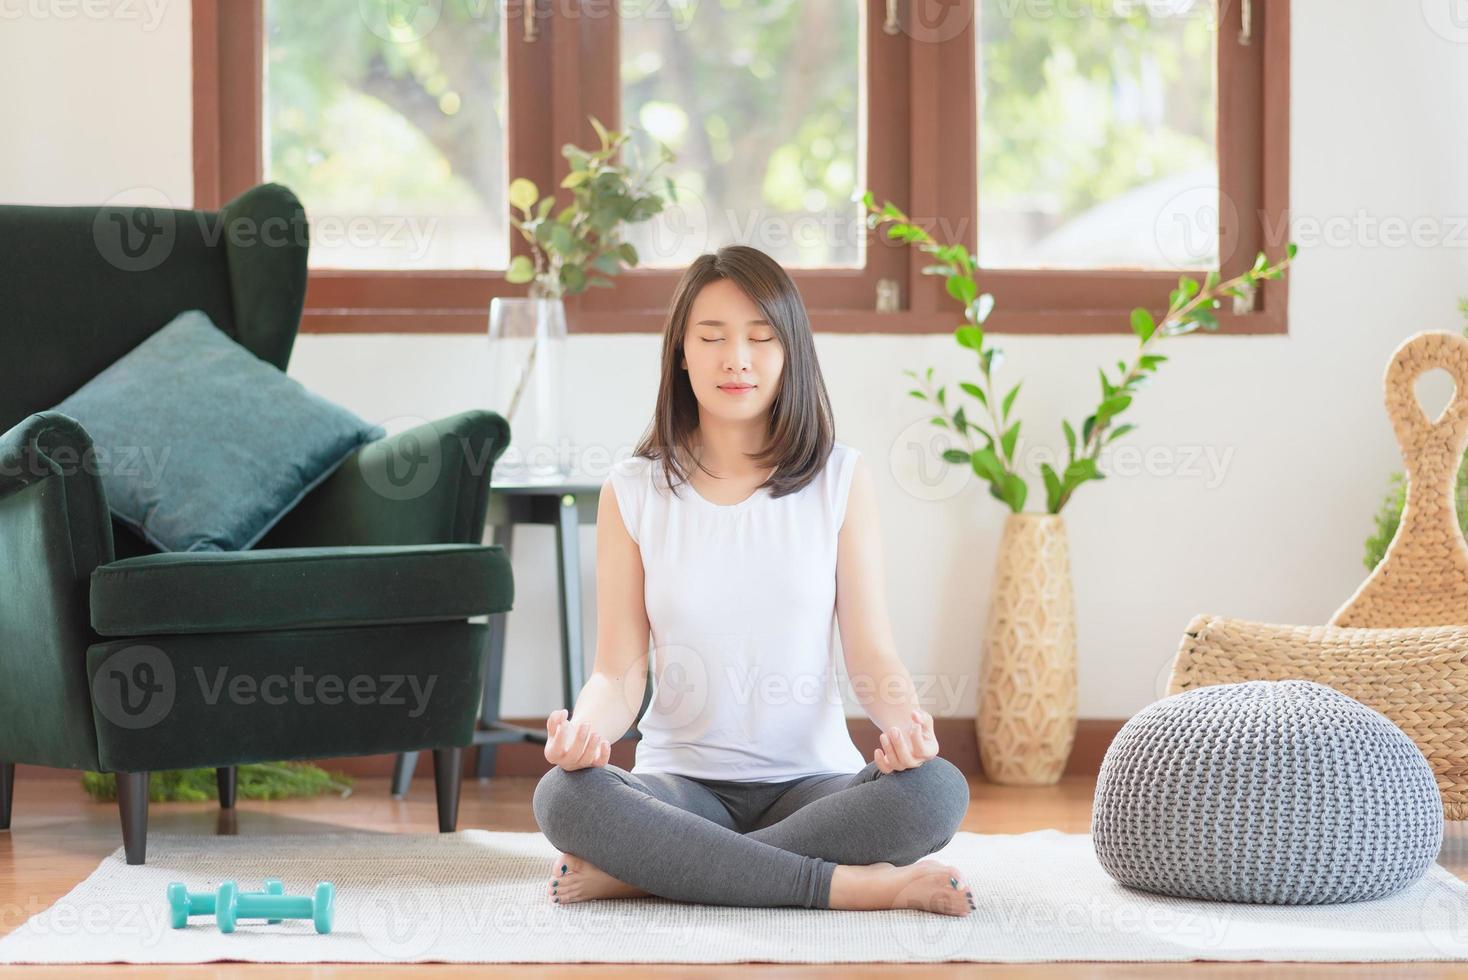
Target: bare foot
pixel 575 879
pixel 930 886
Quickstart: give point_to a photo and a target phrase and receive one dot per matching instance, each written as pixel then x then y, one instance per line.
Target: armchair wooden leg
pixel 7 792
pixel 132 806
pixel 446 780
pixel 224 776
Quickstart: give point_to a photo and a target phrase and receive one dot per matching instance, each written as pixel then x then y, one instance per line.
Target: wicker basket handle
pixel 1423 579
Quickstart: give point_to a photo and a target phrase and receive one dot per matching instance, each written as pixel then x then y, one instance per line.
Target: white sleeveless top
pixel 741 600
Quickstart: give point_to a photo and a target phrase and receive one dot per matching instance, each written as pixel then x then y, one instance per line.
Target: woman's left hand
pixel 907 746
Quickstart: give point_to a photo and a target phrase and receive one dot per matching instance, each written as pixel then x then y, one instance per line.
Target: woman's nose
pixel 740 353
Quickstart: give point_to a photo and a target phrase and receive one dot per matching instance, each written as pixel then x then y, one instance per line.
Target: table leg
pixel 494 669
pixel 568 567
pixel 402 773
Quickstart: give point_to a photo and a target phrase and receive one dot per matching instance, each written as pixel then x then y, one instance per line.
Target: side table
pixel 565 504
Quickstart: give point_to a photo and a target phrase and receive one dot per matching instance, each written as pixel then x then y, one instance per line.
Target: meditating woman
pixel 738 535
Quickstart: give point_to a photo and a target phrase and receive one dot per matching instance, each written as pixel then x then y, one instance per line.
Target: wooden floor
pixel 59 836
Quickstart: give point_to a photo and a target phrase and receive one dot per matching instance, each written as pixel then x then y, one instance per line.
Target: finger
pixel 568 736
pixel 926 721
pixel 606 752
pixel 889 748
pixel 924 747
pixel 554 721
pixel 584 735
pixel 587 752
pixel 920 727
pixel 929 748
pixel 566 746
pixel 922 743
pixel 900 754
pixel 880 758
pixel 904 748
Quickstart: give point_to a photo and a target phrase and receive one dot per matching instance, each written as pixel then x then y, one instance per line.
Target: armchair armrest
pixel 54 446
pixel 54 529
pixel 425 485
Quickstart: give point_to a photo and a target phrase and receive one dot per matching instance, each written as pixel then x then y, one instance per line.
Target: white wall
pixel 97 102
pixel 1379 135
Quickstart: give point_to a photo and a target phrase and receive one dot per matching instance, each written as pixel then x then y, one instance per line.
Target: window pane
pixel 761 101
pixel 1096 134
pixel 387 120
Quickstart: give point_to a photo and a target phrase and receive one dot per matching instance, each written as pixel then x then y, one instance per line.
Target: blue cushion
pixel 201 445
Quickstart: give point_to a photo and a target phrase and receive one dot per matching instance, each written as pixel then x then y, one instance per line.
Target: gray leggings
pixel 721 842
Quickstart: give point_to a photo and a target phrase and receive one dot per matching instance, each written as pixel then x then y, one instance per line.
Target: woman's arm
pixel 613 693
pixel 607 704
pixel 879 679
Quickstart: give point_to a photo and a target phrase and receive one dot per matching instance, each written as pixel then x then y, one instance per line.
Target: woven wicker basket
pixel 1400 644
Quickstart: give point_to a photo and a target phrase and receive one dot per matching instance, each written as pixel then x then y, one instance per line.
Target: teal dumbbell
pixel 183 903
pixel 231 905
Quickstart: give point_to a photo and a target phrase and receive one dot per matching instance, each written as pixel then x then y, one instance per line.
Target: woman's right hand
pixel 574 745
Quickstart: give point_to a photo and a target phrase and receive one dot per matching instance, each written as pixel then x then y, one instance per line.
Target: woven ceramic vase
pixel 1027 704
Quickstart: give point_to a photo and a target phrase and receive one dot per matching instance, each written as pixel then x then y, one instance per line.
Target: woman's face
pixel 728 344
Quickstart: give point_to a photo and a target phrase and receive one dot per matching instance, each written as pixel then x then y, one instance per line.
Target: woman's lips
pixel 733 390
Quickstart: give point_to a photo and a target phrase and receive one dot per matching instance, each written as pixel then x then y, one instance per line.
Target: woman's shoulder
pixel 633 466
pixel 842 460
pixel 631 476
pixel 840 471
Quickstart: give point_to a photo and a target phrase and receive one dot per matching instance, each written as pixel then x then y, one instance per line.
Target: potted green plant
pixel 580 246
pixel 571 249
pixel 1027 705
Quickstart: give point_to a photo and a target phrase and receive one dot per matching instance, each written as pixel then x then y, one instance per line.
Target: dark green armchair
pixel 345 631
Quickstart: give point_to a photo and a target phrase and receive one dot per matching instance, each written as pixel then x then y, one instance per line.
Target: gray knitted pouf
pixel 1280 792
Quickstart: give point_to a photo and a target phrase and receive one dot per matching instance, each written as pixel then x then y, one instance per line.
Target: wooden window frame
pixel 913 87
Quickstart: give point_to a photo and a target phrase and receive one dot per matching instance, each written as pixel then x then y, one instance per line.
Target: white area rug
pixel 479 897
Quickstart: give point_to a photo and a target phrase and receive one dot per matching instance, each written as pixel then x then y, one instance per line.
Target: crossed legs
pixel 672 836
pixel 869 816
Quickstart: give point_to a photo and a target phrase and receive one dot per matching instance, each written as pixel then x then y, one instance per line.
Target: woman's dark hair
pixel 802 430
